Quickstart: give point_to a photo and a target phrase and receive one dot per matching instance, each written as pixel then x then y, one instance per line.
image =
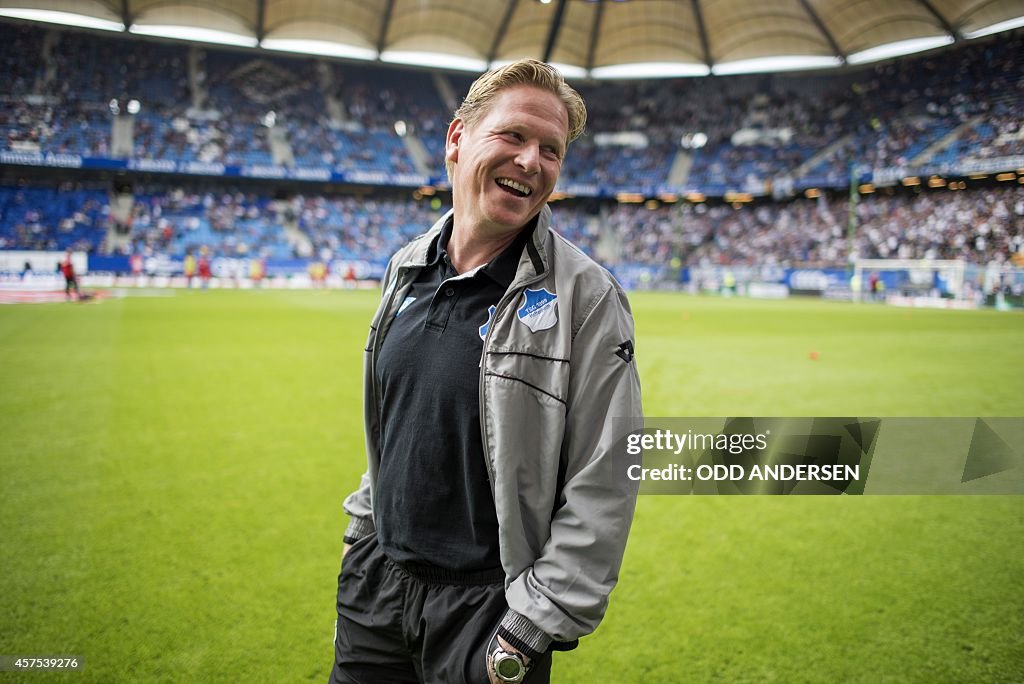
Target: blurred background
pixel 728 144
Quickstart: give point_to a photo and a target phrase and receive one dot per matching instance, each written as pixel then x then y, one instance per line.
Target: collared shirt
pixel 433 505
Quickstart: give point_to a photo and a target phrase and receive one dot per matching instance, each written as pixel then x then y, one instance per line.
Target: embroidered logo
pixel 538 311
pixel 625 351
pixel 405 305
pixel 487 323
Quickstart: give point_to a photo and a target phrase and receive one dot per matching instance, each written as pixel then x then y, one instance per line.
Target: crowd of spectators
pixel 979 226
pixel 946 107
pixel 20 58
pixel 227 222
pixel 897 109
pixel 370 228
pixel 222 107
pixel 53 219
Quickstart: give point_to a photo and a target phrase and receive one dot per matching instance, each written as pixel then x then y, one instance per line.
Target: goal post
pixel 923 277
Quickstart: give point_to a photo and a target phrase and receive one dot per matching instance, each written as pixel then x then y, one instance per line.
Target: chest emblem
pixel 487 324
pixel 405 305
pixel 538 311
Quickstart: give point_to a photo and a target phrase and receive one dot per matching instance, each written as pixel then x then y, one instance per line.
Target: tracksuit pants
pixel 405 625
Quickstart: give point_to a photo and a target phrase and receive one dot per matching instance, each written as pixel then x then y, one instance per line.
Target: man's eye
pixel 514 136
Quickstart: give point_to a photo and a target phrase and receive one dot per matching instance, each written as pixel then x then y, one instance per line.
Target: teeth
pixel 509 183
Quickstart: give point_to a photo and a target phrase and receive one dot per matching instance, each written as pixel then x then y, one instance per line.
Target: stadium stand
pixel 261 113
pixel 52 218
pixel 362 228
pixel 215 109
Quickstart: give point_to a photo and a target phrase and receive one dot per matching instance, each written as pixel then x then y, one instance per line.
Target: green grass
pixel 173 469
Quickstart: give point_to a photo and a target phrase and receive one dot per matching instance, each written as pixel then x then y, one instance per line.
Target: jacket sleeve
pixel 358 504
pixel 564 595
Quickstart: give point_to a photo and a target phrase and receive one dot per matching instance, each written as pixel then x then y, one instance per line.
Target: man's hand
pixel 505 646
pixel 344 549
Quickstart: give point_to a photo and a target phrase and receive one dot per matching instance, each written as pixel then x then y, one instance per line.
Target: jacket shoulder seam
pixel 589 309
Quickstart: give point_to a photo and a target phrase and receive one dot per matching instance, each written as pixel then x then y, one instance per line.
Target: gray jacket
pixel 553 376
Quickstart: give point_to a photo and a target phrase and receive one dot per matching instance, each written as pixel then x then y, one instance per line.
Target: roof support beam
pixel 126 15
pixel 942 20
pixel 556 27
pixel 824 30
pixel 385 24
pixel 510 9
pixel 261 19
pixel 595 31
pixel 703 33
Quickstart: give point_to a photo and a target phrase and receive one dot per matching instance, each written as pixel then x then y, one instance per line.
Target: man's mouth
pixel 513 187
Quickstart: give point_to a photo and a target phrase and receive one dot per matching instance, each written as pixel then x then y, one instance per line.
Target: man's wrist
pixel 524 636
pixel 509 648
pixel 358 528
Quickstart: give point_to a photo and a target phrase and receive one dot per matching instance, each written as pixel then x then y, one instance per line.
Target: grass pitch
pixel 173 469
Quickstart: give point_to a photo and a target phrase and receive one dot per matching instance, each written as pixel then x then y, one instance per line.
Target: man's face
pixel 507 162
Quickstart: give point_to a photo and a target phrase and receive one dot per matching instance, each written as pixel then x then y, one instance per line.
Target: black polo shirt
pixel 433 504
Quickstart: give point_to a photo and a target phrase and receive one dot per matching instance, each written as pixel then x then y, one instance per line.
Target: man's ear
pixel 451 142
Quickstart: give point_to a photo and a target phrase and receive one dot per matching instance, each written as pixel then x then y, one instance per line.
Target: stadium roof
pixel 598 38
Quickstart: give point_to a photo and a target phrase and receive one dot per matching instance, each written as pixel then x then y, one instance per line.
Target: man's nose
pixel 528 158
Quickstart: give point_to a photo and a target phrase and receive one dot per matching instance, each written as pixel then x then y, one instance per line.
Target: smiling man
pixel 490 525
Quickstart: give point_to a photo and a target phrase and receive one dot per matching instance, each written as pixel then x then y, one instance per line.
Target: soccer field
pixel 174 465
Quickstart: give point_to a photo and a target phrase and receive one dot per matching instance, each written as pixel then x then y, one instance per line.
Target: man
pixel 190 267
pixel 489 528
pixel 257 269
pixel 67 269
pixel 205 270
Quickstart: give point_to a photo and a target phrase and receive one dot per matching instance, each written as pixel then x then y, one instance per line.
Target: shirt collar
pixel 439 246
pixel 502 268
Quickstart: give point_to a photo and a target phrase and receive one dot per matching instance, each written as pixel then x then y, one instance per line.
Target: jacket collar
pixel 534 262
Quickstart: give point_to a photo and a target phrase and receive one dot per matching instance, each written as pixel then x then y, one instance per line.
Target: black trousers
pixel 406 626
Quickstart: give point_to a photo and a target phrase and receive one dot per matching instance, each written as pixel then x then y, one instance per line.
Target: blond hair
pixel 525 72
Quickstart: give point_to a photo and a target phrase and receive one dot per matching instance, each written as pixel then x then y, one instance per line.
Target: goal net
pixel 936 278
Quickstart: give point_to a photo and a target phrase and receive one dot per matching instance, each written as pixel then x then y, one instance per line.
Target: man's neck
pixel 468 249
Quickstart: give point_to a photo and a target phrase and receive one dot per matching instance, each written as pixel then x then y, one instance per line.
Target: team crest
pixel 538 311
pixel 487 324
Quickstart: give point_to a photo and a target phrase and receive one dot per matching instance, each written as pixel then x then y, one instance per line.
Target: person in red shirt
pixel 67 269
pixel 204 267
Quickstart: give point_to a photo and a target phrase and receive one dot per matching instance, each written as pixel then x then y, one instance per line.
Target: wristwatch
pixel 509 667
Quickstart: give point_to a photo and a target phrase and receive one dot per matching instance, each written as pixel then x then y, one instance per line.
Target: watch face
pixel 508 668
